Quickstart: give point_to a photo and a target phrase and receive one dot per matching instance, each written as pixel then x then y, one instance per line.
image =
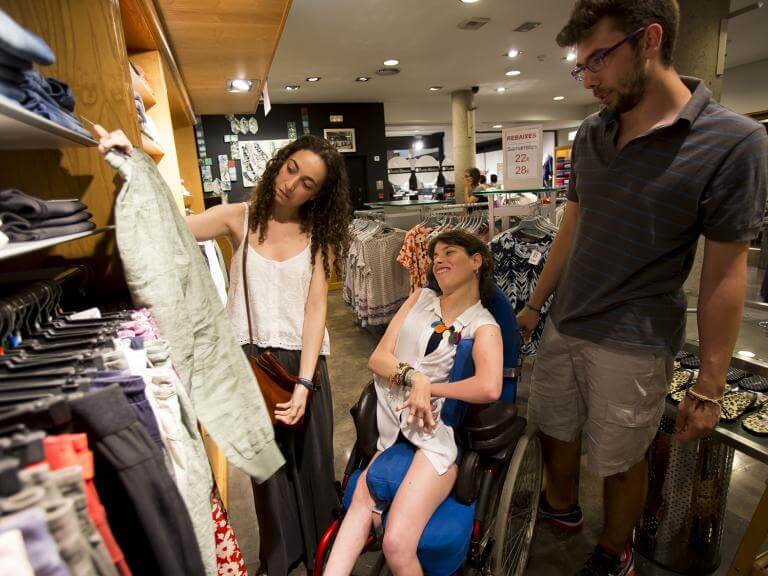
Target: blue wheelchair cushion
pixel 444 544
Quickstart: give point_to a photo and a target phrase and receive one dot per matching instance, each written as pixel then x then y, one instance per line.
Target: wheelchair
pixel 486 525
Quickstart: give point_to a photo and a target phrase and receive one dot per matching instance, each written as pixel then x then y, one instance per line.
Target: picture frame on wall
pixel 343 139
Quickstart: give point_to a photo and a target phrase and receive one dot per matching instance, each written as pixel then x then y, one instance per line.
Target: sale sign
pixel 523 155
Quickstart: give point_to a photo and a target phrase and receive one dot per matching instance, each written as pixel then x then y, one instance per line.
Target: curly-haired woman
pixel 296 231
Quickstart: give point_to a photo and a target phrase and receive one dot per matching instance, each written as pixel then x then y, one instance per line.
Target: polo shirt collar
pixel 700 97
pixel 464 319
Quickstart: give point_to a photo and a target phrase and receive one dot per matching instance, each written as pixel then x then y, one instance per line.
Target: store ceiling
pixel 339 40
pixel 218 40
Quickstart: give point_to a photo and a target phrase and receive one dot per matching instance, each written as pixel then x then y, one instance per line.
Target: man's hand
pixel 527 320
pixel 695 419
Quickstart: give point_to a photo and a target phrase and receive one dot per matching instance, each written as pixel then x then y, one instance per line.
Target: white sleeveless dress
pixel 439 446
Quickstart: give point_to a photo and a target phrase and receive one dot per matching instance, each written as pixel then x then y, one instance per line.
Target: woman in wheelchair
pixel 411 366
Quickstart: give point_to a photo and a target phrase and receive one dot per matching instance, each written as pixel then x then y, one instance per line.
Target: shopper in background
pixel 661 164
pixel 411 367
pixel 472 184
pixel 296 228
pixel 494 181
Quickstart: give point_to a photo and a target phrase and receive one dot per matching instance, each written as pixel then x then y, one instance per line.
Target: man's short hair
pixel 627 16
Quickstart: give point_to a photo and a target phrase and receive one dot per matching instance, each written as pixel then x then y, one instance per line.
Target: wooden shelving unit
pixel 142 87
pixel 21 129
pixel 20 248
pixel 152 148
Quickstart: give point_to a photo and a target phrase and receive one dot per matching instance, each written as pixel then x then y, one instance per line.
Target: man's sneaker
pixel 603 563
pixel 571 521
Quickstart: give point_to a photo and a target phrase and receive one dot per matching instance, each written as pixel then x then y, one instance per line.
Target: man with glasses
pixel 661 164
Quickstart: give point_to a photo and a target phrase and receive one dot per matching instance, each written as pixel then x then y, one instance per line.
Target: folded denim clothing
pixel 37 99
pixel 11 221
pixel 61 93
pixel 33 208
pixel 21 43
pixel 11 74
pixel 12 92
pixel 48 232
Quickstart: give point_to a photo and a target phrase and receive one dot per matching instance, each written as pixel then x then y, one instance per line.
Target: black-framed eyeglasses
pixel 596 62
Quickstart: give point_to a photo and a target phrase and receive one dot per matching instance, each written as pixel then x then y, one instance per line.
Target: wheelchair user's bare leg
pixel 354 530
pixel 561 467
pixel 421 492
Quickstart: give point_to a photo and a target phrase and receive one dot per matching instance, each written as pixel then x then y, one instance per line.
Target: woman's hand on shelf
pixel 110 140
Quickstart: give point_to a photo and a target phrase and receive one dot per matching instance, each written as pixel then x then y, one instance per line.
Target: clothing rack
pixel 377 215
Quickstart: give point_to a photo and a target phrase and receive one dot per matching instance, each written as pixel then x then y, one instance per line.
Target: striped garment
pixel 642 209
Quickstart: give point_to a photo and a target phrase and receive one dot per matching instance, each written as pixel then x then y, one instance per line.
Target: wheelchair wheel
pixel 516 515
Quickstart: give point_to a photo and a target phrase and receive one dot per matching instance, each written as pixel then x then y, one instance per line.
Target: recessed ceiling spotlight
pixel 513 53
pixel 501 89
pixel 558 98
pixel 470 1
pixel 571 56
pixel 512 73
pixel 391 62
pixel 313 78
pixel 362 79
pixel 239 85
pixel 435 88
pixel 292 88
pixel 746 353
pixel 498 126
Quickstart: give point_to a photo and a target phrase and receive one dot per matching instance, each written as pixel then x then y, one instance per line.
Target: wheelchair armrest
pixel 366 425
pixel 468 478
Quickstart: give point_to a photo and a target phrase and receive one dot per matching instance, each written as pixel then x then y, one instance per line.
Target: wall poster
pixel 254 155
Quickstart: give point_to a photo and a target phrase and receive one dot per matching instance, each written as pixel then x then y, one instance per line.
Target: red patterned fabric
pixel 228 557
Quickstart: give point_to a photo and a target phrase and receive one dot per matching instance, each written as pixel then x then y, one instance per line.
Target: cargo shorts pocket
pixel 635 416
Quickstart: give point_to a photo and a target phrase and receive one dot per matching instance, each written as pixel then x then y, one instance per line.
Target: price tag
pixel 535 258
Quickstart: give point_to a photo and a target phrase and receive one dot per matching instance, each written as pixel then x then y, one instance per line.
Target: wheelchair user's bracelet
pixel 398 377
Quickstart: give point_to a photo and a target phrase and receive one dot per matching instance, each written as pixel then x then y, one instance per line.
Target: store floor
pixel 552 553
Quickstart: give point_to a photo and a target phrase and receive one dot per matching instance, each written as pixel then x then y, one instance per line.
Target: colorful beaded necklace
pixel 448 332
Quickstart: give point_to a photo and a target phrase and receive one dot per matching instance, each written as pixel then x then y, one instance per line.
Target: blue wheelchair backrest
pixel 464 367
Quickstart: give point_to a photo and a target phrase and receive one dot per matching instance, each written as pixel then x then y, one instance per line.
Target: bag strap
pixel 246 245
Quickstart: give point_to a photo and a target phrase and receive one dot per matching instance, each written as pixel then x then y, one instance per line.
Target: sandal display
pixel 681 380
pixel 691 362
pixel 735 375
pixel 737 403
pixel 754 383
pixel 757 423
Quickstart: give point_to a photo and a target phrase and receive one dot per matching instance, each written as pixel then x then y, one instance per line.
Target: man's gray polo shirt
pixel 642 210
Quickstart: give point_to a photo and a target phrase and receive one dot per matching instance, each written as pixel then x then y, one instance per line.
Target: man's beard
pixel 632 89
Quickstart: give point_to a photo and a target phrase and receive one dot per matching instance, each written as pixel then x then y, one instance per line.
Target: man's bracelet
pixel 702 398
pixel 532 307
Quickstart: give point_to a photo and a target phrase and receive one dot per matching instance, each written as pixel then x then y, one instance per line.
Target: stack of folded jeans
pixel 22 84
pixel 24 218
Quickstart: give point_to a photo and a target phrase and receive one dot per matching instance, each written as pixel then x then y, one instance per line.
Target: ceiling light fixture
pixel 391 62
pixel 435 88
pixel 571 56
pixel 418 144
pixel 498 126
pixel 746 353
pixel 513 53
pixel 501 89
pixel 313 78
pixel 558 98
pixel 470 1
pixel 512 73
pixel 362 79
pixel 239 85
pixel 292 88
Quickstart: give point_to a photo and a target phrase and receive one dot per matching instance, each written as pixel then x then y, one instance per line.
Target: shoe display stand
pixel 681 528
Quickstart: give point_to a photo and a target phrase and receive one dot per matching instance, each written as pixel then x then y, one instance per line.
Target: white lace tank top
pixel 278 295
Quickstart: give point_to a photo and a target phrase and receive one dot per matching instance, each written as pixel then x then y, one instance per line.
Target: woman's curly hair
pixel 326 218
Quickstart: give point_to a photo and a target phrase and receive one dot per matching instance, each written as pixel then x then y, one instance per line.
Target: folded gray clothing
pixel 48 232
pixel 31 208
pixel 21 43
pixel 11 221
pixel 8 59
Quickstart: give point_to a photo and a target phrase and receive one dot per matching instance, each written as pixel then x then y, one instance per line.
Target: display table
pixel 683 521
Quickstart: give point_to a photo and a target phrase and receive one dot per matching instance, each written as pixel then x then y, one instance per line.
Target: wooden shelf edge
pixel 151 147
pixel 20 248
pixel 58 135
